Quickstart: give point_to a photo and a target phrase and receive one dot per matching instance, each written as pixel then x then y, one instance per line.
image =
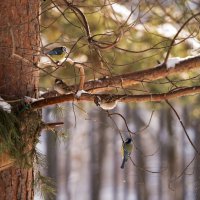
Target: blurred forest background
pixel 83 157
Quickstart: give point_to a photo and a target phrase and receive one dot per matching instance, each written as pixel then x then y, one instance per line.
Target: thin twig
pixel 173 40
pixel 124 121
pixel 74 115
pixel 184 170
pixel 120 133
pixel 142 169
pixel 52 125
pixel 142 129
pixel 85 23
pixel 188 137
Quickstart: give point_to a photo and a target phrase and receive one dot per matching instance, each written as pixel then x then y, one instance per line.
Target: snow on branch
pixel 172 62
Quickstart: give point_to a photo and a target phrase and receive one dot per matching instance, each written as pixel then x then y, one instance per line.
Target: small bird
pixel 58 54
pixel 61 87
pixel 126 150
pixel 108 103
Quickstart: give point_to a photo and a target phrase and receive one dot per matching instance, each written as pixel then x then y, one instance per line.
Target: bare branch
pixel 84 20
pixel 152 74
pixel 121 98
pixel 143 169
pixel 52 125
pixel 110 114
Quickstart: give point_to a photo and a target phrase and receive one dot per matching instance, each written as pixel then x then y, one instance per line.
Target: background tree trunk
pixel 141 177
pixel 18 78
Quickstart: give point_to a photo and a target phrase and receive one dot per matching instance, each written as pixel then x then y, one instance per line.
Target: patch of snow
pixel 122 10
pixel 167 30
pixel 194 42
pixel 171 62
pixel 5 106
pixel 189 57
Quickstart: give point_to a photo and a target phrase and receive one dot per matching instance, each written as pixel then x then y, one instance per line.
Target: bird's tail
pixel 123 163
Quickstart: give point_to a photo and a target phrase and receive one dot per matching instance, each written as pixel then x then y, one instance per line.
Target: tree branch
pixel 125 80
pixel 155 73
pixel 121 98
pixel 185 131
pixel 51 125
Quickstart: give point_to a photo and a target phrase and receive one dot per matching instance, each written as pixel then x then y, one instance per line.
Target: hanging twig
pixel 144 128
pixel 120 133
pixel 110 114
pixel 142 169
pixel 188 137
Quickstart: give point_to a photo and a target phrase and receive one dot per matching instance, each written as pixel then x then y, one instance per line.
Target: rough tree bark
pixel 17 79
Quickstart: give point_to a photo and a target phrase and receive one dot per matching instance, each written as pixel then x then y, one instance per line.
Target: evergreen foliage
pixel 11 136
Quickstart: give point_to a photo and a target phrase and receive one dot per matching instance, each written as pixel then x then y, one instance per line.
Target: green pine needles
pixel 45 185
pixel 10 136
pixel 19 136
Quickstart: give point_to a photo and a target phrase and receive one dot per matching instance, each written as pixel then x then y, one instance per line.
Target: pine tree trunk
pixel 18 77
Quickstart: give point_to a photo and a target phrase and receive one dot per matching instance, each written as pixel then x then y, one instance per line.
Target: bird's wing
pixel 56 51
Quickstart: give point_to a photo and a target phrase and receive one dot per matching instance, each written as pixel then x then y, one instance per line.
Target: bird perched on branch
pixel 61 87
pixel 58 55
pixel 106 103
pixel 126 150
